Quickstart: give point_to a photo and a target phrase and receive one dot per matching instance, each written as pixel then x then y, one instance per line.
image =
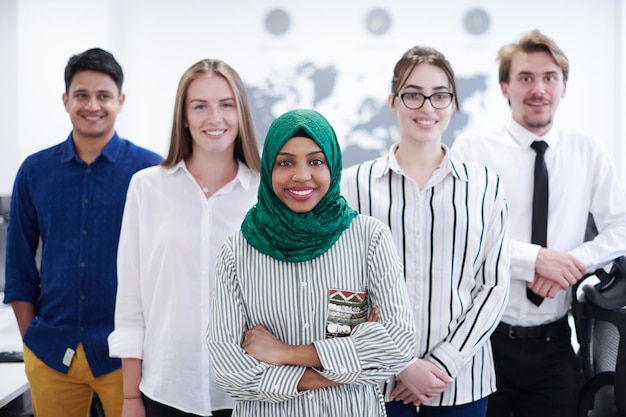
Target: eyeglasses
pixel 415 101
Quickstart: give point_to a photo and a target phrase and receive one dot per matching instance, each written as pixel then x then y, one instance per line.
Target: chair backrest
pixel 600 317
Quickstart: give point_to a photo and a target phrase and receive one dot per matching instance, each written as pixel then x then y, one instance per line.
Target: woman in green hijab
pixel 290 333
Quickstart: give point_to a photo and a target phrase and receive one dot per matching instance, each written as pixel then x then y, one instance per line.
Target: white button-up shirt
pixel 170 238
pixel 582 180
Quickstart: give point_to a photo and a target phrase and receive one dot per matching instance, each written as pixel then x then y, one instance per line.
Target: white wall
pixel 156 40
pixel 9 149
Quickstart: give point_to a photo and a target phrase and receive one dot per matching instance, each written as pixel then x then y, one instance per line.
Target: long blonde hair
pixel 181 143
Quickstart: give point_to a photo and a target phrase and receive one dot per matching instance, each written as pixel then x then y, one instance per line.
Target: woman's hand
pixel 133 407
pixel 263 346
pixel 420 382
pixel 374 312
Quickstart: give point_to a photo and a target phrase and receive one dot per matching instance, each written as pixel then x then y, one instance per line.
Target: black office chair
pixel 600 318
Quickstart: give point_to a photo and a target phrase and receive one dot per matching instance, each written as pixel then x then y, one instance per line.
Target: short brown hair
pixel 533 41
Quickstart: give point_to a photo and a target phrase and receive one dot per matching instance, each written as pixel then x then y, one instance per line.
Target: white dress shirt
pixel 168 247
pixel 581 179
pixel 452 238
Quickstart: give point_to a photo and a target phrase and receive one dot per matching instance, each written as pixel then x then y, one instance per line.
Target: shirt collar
pixel 447 166
pixel 244 176
pixel 389 162
pixel 525 137
pixel 110 151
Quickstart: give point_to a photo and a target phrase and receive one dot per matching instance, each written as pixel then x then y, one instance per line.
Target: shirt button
pixel 276 387
pixel 310 395
pixel 86 201
pixel 82 264
pixel 84 233
pixel 304 284
pixel 306 325
pixel 82 297
pixel 342 369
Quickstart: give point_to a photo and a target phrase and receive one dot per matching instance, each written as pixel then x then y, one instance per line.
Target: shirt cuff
pixel 126 343
pixel 523 257
pixel 282 380
pixel 449 358
pixel 338 356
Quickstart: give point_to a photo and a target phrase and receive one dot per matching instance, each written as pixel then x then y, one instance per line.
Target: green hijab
pixel 270 226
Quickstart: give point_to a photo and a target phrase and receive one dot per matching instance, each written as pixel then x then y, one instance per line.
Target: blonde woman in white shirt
pixel 177 215
pixel 449 222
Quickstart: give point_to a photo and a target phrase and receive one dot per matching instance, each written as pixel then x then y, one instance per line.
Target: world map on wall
pixel 375 124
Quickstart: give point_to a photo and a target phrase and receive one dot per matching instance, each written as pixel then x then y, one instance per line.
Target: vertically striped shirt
pixel 453 240
pixel 291 299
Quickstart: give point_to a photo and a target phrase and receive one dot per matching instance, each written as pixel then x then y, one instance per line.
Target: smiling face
pixel 535 88
pixel 211 115
pixel 93 102
pixel 425 124
pixel 300 176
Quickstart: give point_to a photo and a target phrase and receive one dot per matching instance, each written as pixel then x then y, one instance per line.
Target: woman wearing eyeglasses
pixel 449 221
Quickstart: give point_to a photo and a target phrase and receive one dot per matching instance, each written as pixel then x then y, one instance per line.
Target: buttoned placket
pixel 88 184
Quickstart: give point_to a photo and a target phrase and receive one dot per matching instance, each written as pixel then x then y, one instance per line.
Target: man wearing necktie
pixel 552 178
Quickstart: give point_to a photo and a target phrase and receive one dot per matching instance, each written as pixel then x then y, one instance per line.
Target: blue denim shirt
pixel 76 210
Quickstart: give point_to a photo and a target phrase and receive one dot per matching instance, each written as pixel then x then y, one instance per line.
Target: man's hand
pixel 544 287
pixel 420 382
pixel 561 268
pixel 24 314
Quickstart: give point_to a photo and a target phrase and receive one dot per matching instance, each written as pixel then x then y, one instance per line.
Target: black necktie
pixel 540 207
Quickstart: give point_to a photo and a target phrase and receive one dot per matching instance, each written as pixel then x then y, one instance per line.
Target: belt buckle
pixel 512 332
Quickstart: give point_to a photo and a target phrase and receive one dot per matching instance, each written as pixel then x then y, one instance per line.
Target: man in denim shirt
pixel 71 198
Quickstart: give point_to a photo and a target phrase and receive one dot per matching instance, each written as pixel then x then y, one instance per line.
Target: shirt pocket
pixel 346 309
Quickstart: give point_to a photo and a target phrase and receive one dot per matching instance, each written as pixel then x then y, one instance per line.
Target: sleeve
pixel 523 258
pixel 375 351
pixel 22 278
pixel 238 373
pixel 522 254
pixel 490 293
pixel 608 207
pixel 126 341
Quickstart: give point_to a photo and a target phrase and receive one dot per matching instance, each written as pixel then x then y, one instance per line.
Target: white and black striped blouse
pixel 453 240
